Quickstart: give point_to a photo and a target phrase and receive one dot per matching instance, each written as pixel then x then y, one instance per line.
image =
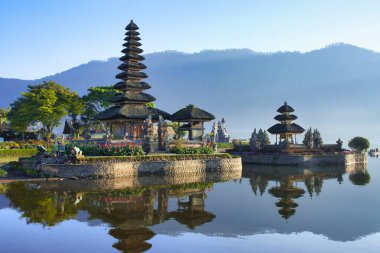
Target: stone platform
pixel 304 160
pixel 128 169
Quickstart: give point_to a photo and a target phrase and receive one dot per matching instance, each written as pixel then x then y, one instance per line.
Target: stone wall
pixel 128 169
pixel 309 160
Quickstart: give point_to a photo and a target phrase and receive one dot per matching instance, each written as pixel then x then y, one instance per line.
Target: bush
pixel 108 150
pixel 31 144
pixel 18 152
pixel 359 144
pixel 191 150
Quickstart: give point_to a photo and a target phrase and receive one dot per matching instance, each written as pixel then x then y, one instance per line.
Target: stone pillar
pixel 161 123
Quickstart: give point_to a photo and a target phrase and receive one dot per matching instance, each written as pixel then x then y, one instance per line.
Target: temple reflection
pixel 286 181
pixel 130 212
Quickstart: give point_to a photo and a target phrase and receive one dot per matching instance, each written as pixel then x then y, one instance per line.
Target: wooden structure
pixel 132 105
pixel 286 129
pixel 193 119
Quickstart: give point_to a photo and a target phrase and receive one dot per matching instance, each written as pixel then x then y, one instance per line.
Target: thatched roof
pixel 132 85
pixel 132 44
pixel 284 117
pixel 128 75
pixel 191 113
pixel 133 97
pixel 131 56
pixel 286 128
pixel 285 108
pixel 131 65
pixel 132 50
pixel 131 26
pixel 132 113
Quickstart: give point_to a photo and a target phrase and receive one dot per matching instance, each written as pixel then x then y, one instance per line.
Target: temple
pixel 132 105
pixel 286 129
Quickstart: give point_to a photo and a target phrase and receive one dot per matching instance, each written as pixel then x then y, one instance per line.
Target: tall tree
pixel 46 103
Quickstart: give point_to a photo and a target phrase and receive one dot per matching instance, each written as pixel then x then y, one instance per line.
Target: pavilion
pixel 132 105
pixel 286 129
pixel 193 120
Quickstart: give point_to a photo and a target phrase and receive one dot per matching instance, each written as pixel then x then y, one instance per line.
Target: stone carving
pixel 148 135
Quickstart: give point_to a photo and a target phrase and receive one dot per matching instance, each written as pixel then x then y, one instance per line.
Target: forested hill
pixel 334 89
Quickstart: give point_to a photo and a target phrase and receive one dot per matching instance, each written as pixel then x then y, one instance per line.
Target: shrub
pixel 359 144
pixel 3 173
pixel 108 150
pixel 225 145
pixel 191 150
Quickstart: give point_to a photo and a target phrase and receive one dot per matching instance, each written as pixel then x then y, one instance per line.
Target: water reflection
pixel 130 212
pixel 286 179
pixel 138 210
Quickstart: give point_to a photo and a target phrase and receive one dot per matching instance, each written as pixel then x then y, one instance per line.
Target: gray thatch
pixel 132 44
pixel 135 57
pixel 132 85
pixel 131 26
pixel 284 117
pixel 132 50
pixel 132 113
pixel 191 113
pixel 131 65
pixel 286 128
pixel 133 97
pixel 131 75
pixel 285 108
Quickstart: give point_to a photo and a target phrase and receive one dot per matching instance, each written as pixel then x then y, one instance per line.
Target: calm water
pixel 268 210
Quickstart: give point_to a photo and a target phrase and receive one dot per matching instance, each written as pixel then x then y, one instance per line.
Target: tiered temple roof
pixel 132 102
pixel 285 126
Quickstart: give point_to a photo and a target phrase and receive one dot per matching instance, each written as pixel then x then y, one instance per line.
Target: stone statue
pixel 339 142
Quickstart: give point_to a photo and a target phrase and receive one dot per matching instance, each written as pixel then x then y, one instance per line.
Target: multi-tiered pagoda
pixel 286 129
pixel 132 105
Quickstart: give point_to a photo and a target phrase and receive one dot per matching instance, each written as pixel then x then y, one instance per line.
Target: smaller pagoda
pixel 286 129
pixel 193 120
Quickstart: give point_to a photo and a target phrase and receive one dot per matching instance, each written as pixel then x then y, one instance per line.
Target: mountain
pixel 334 89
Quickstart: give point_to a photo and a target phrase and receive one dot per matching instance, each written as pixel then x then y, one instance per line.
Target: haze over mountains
pixel 334 89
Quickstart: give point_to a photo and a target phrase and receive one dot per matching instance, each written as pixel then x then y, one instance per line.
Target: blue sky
pixel 43 37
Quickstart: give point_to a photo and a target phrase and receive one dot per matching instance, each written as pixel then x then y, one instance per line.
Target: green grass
pixel 8 159
pixel 17 153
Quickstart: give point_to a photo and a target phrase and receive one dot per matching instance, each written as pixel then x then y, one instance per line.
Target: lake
pixel 281 209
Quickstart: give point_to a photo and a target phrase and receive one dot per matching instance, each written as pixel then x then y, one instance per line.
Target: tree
pixel 46 103
pixel 4 115
pixel 76 107
pixel 308 139
pixel 359 144
pixel 97 100
pixel 317 139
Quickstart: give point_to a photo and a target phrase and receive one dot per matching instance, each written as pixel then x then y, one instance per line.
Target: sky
pixel 44 37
